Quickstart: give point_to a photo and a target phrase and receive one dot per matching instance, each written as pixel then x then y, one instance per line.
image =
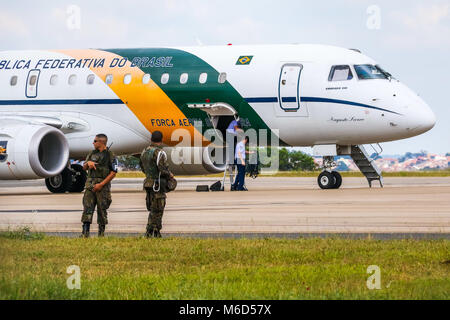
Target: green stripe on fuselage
pixel 176 62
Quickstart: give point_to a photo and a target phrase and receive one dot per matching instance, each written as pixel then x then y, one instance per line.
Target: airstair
pixel 366 164
pixel 230 173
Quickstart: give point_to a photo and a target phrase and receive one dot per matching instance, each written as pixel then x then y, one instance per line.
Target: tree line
pixel 289 160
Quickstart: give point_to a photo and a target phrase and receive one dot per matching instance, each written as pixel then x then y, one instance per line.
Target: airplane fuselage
pixel 306 95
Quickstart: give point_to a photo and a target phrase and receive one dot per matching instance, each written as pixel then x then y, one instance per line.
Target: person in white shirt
pixel 231 134
pixel 240 162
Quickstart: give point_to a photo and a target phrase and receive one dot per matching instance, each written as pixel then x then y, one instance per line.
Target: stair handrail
pixel 377 152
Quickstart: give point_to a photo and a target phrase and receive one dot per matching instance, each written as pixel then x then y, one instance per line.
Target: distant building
pixel 393 163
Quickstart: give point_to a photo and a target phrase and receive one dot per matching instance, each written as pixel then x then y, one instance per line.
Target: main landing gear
pixel 329 179
pixel 71 179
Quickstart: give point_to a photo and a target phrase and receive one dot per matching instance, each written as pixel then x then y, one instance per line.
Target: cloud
pixel 58 14
pixel 198 9
pixel 12 25
pixel 425 17
pixel 110 26
pixel 424 26
pixel 243 29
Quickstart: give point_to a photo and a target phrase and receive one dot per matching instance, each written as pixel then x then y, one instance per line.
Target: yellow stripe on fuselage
pixel 146 101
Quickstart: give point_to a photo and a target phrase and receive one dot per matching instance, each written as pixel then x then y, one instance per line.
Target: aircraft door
pixel 289 86
pixel 32 83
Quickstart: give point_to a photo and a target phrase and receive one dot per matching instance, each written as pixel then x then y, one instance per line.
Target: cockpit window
pixel 340 73
pixel 368 71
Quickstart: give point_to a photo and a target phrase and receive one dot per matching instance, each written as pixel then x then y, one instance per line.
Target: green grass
pixel 177 268
pixel 309 174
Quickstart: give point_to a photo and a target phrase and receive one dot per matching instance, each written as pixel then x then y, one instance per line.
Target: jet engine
pixel 31 151
pixel 196 160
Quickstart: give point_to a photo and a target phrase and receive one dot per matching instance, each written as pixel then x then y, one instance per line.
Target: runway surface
pixel 273 206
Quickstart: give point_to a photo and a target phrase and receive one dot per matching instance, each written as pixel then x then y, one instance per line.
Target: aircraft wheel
pixel 79 180
pixel 326 180
pixel 338 178
pixel 61 182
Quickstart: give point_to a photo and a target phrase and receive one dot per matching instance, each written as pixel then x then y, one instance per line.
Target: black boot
pixel 156 233
pixel 149 232
pixel 101 230
pixel 85 232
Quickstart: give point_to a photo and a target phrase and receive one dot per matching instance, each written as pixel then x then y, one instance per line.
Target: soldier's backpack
pixel 153 180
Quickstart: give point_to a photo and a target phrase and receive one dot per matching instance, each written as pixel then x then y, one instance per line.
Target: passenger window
pixel 222 77
pixel 72 79
pixel 109 79
pixel 184 78
pixel 340 73
pixel 127 78
pixel 146 78
pixel 165 78
pixel 53 80
pixel 90 79
pixel 32 80
pixel 13 81
pixel 203 77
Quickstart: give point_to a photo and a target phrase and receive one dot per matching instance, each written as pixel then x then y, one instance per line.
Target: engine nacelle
pixel 30 151
pixel 195 160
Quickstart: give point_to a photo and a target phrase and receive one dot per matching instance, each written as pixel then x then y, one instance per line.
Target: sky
pixel 410 39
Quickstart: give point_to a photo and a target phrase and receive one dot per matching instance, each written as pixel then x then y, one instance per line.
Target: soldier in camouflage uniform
pixel 102 168
pixel 154 164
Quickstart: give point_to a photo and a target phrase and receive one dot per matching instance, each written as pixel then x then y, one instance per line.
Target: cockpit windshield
pixel 368 71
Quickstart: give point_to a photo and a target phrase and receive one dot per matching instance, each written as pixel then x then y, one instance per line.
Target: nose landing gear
pixel 329 179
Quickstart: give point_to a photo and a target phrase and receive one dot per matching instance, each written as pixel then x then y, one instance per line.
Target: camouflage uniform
pixel 155 183
pixel 106 162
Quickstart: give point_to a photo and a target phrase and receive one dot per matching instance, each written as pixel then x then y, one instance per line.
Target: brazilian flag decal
pixel 3 145
pixel 244 60
pixel 3 154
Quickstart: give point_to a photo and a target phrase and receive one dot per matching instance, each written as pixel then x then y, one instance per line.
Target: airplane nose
pixel 419 117
pixel 423 119
pixel 429 120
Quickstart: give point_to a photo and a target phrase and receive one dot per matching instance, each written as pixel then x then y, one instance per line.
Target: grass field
pixel 33 266
pixel 437 173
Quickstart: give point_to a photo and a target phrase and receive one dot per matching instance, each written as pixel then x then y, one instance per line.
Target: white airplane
pixel 53 103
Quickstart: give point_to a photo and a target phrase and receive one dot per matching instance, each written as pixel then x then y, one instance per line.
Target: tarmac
pixel 407 207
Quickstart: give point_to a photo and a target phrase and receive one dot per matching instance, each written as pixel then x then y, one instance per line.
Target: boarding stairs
pixel 229 175
pixel 366 164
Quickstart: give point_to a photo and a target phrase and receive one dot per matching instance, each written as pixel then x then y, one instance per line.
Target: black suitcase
pixel 202 188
